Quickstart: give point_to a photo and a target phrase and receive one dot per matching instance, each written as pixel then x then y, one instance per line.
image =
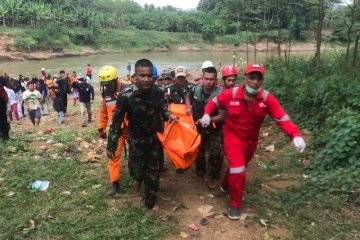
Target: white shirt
pixel 88 80
pixel 11 95
pixel 33 98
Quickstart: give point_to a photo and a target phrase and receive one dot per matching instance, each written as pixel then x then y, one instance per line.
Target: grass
pixel 120 40
pixel 234 40
pixel 75 205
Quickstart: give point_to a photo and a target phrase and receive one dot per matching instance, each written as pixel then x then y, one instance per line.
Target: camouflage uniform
pixel 211 137
pixel 144 111
pixel 177 95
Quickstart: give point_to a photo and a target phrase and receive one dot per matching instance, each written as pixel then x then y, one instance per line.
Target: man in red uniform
pixel 229 75
pixel 247 106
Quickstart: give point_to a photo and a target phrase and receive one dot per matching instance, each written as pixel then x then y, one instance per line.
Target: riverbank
pixel 20 44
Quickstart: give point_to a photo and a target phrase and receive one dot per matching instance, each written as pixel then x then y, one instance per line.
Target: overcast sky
pixel 183 4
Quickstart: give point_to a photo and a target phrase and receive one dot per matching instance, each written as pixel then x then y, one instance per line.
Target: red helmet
pixel 229 70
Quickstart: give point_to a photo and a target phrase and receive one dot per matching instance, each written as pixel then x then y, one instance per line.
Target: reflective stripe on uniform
pixel 215 100
pixel 111 103
pixel 283 118
pixel 237 170
pixel 234 91
pixel 265 95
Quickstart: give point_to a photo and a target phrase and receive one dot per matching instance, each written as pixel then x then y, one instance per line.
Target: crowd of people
pixel 34 97
pixel 227 116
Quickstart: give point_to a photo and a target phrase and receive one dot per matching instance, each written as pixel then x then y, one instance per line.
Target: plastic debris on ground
pixel 194 226
pixel 204 221
pixel 205 210
pixel 270 148
pixel 48 131
pixel 40 185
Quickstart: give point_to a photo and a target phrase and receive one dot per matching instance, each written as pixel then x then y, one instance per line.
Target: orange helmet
pixel 229 70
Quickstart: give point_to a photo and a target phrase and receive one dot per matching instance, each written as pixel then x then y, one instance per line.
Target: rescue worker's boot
pixel 89 118
pixel 114 189
pixel 234 213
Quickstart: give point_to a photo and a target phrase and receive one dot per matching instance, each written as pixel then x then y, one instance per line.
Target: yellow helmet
pixel 107 73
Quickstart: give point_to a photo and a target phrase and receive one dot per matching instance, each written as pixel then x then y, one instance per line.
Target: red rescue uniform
pixel 241 132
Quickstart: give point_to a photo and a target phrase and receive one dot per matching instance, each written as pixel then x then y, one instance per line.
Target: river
pixel 162 60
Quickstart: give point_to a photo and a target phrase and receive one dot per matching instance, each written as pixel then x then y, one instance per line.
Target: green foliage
pixel 338 163
pixel 49 36
pixel 342 148
pixel 213 18
pixel 328 105
pixel 121 40
pixel 235 39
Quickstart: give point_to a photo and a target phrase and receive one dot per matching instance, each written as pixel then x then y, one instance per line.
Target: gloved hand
pixel 205 120
pixel 299 144
pixel 102 134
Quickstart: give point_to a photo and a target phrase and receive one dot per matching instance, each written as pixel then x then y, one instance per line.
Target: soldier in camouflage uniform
pixel 211 136
pixel 177 92
pixel 144 105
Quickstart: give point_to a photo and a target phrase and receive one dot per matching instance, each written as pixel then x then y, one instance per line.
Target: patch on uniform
pixel 234 103
pixel 108 98
pixel 262 105
pixel 256 65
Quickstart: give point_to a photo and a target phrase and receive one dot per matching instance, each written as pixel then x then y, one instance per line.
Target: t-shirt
pixel 11 95
pixel 32 98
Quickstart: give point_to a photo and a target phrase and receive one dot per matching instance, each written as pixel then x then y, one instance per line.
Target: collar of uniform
pixel 240 93
pixel 214 89
pixel 137 90
pixel 186 85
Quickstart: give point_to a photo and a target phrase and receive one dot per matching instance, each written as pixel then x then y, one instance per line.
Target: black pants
pixel 63 98
pixel 4 131
pixel 4 125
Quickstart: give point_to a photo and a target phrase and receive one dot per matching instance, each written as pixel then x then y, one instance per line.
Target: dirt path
pixel 182 195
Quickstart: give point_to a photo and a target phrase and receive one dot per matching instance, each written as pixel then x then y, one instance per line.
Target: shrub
pixel 327 104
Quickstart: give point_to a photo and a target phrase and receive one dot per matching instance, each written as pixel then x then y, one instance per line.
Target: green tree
pixel 349 21
pixel 206 5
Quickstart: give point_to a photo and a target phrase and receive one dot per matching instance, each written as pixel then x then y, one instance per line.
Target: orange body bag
pixel 180 139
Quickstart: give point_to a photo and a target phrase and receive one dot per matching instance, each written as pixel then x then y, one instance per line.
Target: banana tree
pixel 13 7
pixel 3 12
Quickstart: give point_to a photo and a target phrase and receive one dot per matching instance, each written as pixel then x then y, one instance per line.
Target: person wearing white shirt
pixel 13 104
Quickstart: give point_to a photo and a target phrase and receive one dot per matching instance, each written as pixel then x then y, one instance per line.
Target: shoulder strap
pixel 198 93
pixel 234 91
pixel 217 91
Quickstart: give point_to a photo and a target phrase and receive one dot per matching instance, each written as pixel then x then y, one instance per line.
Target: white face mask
pixel 251 91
